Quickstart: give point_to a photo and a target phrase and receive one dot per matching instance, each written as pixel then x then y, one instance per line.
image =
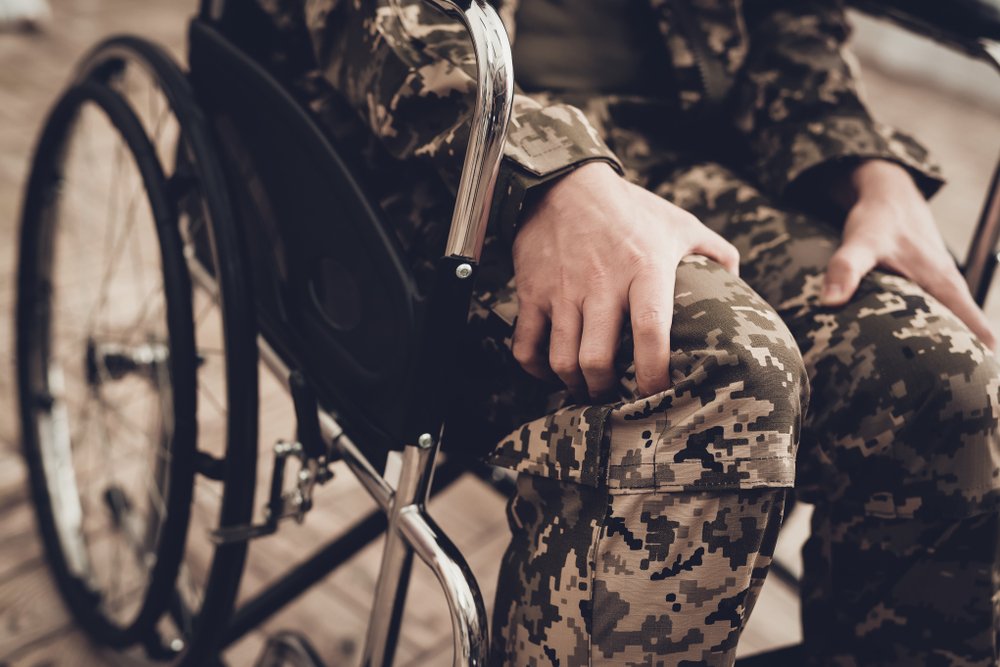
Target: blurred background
pixel 949 102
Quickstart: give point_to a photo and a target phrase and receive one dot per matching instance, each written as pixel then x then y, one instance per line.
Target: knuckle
pixel 840 262
pixel 650 320
pixel 636 260
pixel 842 267
pixel 731 257
pixel 596 361
pixel 562 364
pixel 689 218
pixel 524 353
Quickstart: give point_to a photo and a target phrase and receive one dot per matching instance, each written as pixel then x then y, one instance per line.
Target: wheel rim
pixel 127 72
pixel 100 377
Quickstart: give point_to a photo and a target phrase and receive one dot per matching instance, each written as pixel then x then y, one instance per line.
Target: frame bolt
pixel 463 271
pixel 425 441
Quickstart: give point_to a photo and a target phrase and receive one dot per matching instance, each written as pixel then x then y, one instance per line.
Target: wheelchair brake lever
pixel 307 416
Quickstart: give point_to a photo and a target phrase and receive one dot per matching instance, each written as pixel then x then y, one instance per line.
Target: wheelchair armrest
pixel 494 97
pixel 966 25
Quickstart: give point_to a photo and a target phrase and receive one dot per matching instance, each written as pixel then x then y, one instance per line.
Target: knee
pixel 732 415
pixel 732 349
pixel 934 388
pixel 952 399
pixel 907 409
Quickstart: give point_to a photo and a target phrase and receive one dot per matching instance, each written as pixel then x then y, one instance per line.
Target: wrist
pixel 874 178
pixel 567 187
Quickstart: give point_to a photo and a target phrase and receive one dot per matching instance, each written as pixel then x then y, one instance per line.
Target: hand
pixel 594 248
pixel 890 225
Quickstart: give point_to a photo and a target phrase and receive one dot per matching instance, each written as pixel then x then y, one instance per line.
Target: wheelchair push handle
pixel 494 97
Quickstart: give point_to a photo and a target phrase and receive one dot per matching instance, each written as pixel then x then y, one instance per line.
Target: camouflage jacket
pixel 775 72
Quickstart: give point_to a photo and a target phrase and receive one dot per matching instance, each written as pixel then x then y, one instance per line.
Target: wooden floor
pixel 35 630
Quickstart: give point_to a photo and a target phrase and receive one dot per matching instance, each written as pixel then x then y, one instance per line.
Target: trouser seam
pixel 592 584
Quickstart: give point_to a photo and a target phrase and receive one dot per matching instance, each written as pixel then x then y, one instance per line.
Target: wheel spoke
pixel 212 400
pixel 103 303
pixel 112 262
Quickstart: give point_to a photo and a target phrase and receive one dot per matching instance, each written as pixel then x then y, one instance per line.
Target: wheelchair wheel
pixel 106 365
pixel 224 469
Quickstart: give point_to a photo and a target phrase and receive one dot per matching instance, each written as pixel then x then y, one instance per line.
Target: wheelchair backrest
pixel 335 297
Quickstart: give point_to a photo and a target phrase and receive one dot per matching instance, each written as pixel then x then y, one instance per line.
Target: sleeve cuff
pixel 544 142
pixel 795 158
pixel 517 187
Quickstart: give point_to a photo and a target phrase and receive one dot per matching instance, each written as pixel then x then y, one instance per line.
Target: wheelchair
pixel 182 228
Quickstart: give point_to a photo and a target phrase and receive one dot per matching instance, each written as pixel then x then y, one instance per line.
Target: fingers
pixel 529 343
pixel 852 262
pixel 579 350
pixel 719 249
pixel 602 326
pixel 651 299
pixel 564 347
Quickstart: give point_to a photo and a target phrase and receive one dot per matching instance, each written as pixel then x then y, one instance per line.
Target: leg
pixel 652 578
pixel 899 449
pixel 660 561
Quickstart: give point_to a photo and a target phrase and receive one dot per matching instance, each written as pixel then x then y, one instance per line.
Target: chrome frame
pixel 411 531
pixel 494 98
pixel 982 258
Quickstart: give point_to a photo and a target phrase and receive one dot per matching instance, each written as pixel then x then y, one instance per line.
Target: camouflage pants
pixel 642 530
pixel 633 557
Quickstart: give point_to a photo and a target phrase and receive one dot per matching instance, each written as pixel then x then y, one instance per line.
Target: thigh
pixel 903 414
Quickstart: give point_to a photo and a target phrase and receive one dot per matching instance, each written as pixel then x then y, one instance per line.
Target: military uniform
pixel 643 528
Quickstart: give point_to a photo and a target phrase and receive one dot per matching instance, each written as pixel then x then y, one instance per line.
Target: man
pixel 658 148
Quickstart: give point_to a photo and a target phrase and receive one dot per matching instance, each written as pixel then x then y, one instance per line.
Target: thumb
pixel 847 267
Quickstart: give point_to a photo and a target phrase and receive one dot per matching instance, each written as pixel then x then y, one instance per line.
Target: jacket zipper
pixel 714 80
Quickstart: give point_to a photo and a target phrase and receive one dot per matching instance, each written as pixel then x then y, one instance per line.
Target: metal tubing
pixel 982 257
pixel 468 614
pixel 374 484
pixel 390 589
pixel 297 581
pixel 274 598
pixel 410 530
pixel 488 126
pixel 983 248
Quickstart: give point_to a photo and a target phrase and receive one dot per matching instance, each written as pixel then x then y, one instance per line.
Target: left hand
pixel 890 225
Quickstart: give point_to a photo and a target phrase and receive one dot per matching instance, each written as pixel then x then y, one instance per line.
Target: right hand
pixel 593 249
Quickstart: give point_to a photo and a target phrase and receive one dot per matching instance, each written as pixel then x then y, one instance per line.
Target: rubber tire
pixel 36 237
pixel 239 326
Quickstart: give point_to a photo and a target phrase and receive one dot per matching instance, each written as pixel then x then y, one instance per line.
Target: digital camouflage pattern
pixel 898 449
pixel 771 71
pixel 656 554
pixel 905 399
pixel 729 420
pixel 599 577
pixel 899 452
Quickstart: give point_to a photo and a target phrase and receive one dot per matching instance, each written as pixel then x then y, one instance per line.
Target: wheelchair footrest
pixel 282 504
